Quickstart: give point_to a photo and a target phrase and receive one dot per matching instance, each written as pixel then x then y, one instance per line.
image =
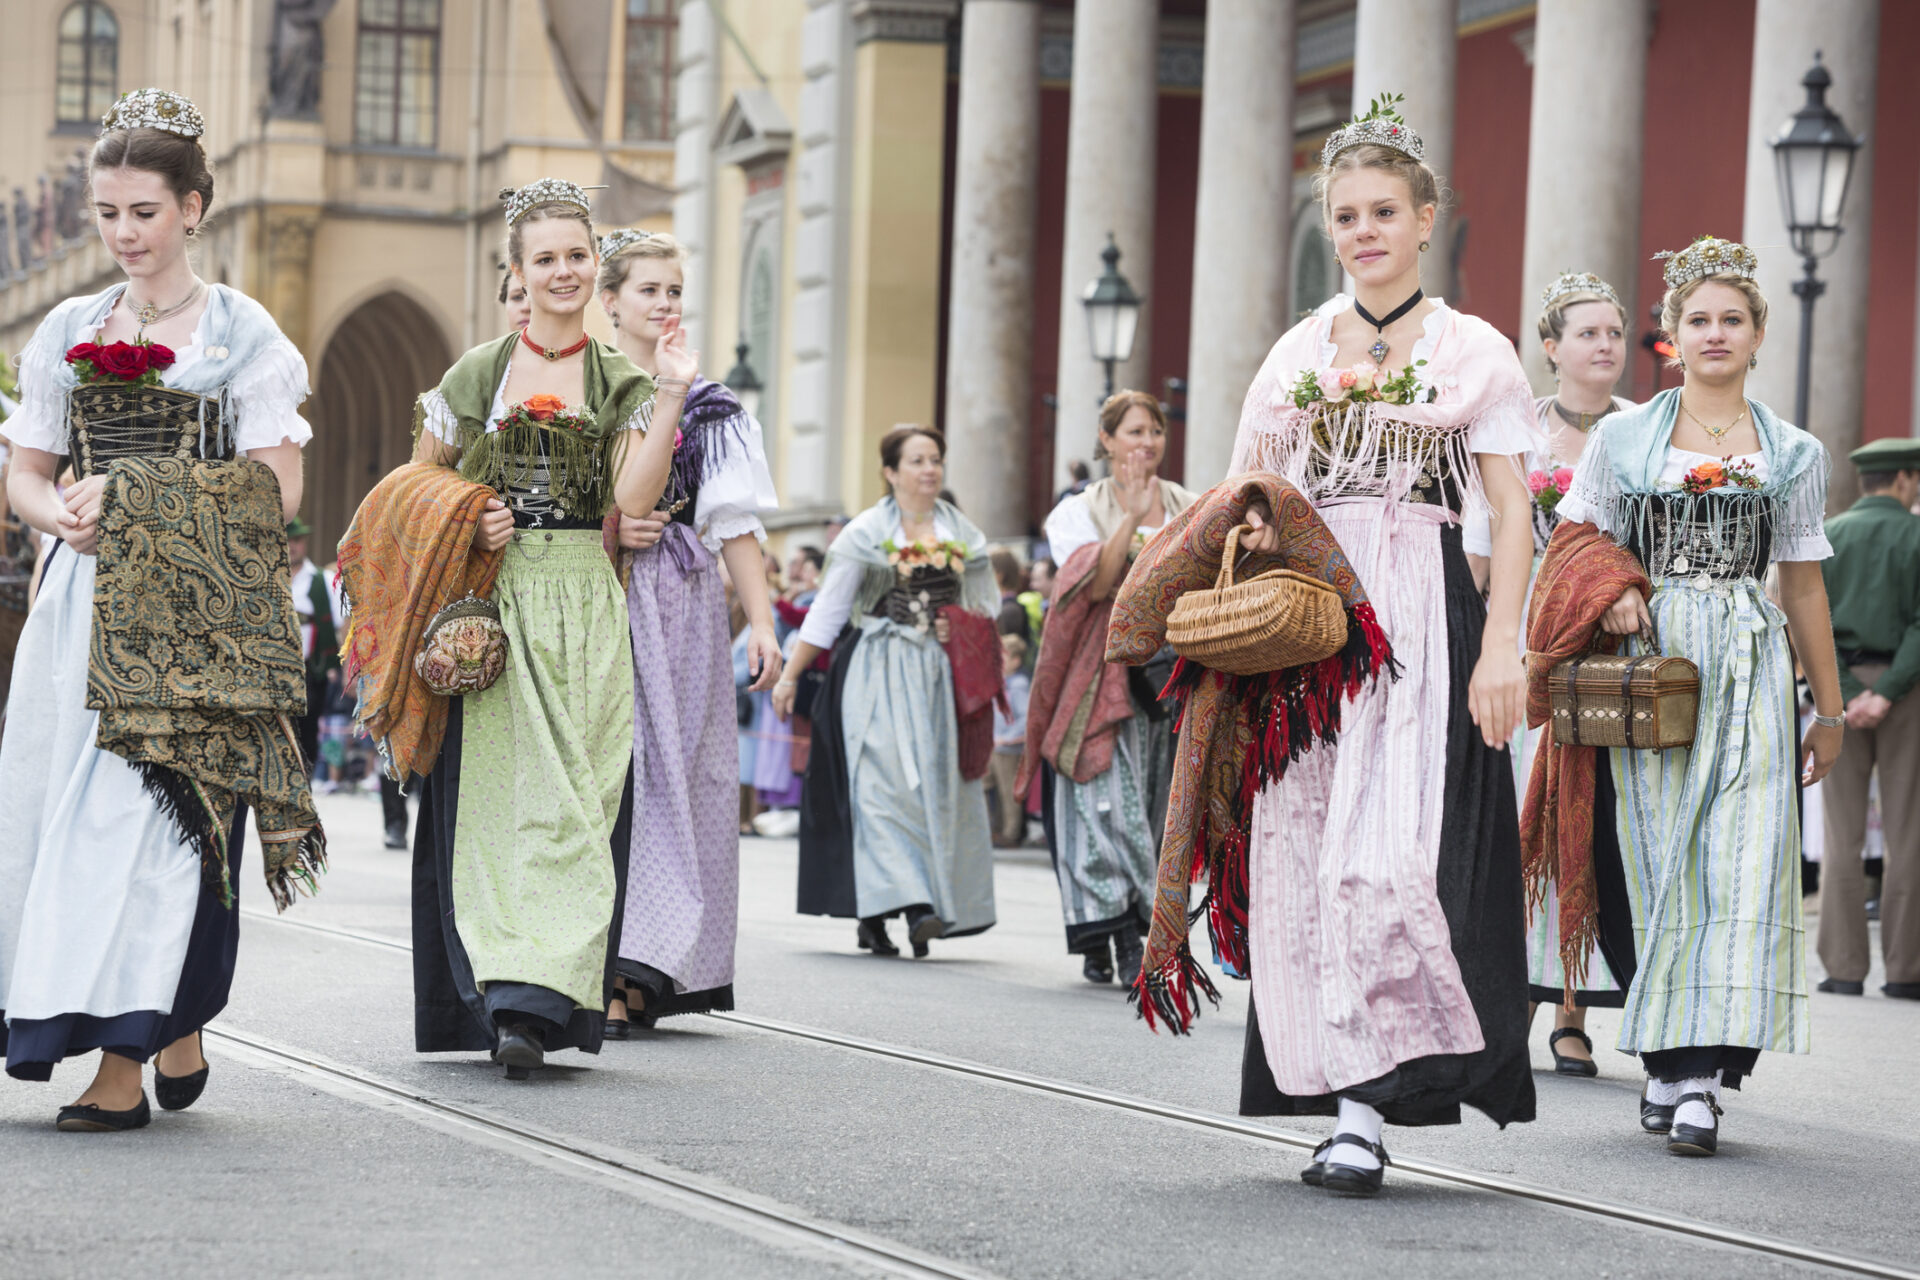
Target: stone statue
pixel 43 220
pixel 23 227
pixel 298 55
pixel 68 224
pixel 6 247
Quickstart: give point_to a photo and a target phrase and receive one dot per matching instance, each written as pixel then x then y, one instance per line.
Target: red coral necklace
pixel 555 353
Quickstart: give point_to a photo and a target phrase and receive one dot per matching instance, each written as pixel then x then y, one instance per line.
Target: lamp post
pixel 743 382
pixel 1113 314
pixel 1813 157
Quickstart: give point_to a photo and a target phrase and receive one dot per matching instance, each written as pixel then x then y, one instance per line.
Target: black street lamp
pixel 743 382
pixel 1113 314
pixel 1813 157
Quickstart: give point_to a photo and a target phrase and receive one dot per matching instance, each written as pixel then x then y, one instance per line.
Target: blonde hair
pixel 1675 302
pixel 657 244
pixel 1423 184
pixel 1014 647
pixel 1553 320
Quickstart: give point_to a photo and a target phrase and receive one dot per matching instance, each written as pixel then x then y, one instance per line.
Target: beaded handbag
pixel 464 649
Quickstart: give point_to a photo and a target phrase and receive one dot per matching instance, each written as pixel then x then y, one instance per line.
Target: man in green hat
pixel 1873 588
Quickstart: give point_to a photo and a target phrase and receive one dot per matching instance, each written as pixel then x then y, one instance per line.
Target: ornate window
pixel 396 83
pixel 88 73
pixel 649 78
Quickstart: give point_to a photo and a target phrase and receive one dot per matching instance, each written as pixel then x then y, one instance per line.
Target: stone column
pixel 1111 149
pixel 1786 36
pixel 1242 221
pixel 1409 47
pixel 1584 157
pixel 989 394
pixel 696 99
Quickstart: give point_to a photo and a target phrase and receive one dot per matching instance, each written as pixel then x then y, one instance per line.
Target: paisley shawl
pixel 1237 733
pixel 194 661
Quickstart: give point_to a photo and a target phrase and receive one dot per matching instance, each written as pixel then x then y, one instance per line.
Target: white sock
pixel 1362 1121
pixel 1662 1094
pixel 1697 1114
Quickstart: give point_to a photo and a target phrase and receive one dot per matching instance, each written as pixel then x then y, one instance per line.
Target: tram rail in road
pixel 1652 1219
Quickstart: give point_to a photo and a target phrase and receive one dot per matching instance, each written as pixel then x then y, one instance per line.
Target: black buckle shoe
pixel 872 936
pixel 1344 1179
pixel 1693 1139
pixel 1565 1066
pixel 1654 1117
pixel 520 1050
pixel 92 1118
pixel 1313 1173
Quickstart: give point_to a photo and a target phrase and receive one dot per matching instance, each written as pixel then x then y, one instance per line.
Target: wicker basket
pixel 916 601
pixel 1648 703
pixel 1278 619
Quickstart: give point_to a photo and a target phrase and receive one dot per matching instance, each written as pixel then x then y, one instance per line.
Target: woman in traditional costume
pixel 890 822
pixel 679 863
pixel 1582 328
pixel 514 883
pixel 121 829
pixel 1386 914
pixel 1100 725
pixel 1704 488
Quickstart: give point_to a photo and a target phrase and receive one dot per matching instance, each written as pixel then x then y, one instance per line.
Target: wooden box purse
pixel 1647 703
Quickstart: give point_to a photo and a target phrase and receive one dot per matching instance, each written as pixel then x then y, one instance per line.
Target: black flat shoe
pixel 1097 967
pixel 1565 1066
pixel 1901 990
pixel 1128 952
pixel 873 937
pixel 1313 1173
pixel 1655 1118
pixel 1841 987
pixel 1344 1179
pixel 617 1029
pixel 177 1093
pixel 519 1051
pixel 1693 1139
pixel 92 1119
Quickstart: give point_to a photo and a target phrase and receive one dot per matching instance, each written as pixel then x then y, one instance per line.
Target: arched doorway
pixel 375 366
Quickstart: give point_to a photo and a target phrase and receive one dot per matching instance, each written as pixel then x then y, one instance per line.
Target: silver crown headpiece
pixel 1568 283
pixel 1708 256
pixel 1381 126
pixel 545 191
pixel 625 238
pixel 154 109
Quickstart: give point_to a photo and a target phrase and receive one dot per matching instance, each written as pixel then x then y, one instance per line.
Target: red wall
pixel 1492 99
pixel 1896 229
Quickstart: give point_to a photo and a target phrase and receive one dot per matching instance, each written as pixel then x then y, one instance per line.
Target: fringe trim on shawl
pixel 295 857
pixel 581 468
pixel 1287 713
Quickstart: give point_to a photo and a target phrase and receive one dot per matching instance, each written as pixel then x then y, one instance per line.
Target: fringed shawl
pixel 713 423
pixel 1621 467
pixel 194 661
pixel 1237 733
pixel 1079 700
pixel 1381 450
pixel 862 542
pixel 618 394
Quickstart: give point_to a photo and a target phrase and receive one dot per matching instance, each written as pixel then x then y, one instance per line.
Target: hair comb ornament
pixel 154 109
pixel 1568 283
pixel 1708 256
pixel 625 238
pixel 1382 126
pixel 545 191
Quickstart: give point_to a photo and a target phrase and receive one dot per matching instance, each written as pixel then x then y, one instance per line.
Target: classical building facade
pixel 894 205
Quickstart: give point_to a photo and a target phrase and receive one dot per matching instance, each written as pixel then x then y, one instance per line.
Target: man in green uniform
pixel 1873 587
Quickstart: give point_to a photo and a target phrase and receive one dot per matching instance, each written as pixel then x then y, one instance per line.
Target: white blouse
pixel 729 501
pixel 1583 503
pixel 266 395
pixel 1070 527
pixel 840 589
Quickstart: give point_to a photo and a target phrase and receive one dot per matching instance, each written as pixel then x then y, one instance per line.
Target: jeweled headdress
pixel 1568 283
pixel 154 109
pixel 1381 126
pixel 625 238
pixel 544 191
pixel 1708 256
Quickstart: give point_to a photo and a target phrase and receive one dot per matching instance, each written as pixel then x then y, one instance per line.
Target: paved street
pixel 324 1146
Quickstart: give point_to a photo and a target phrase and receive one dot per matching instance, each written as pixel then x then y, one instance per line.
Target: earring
pixel 193 231
pixel 1753 361
pixel 613 318
pixel 1423 246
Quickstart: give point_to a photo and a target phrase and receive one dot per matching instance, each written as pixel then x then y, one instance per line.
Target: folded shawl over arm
pixel 1237 733
pixel 1079 699
pixel 407 555
pixel 1583 573
pixel 194 662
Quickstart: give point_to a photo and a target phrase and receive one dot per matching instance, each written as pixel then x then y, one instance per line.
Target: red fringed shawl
pixel 1237 733
pixel 1583 573
pixel 979 681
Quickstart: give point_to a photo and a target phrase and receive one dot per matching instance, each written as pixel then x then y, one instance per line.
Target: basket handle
pixel 1228 554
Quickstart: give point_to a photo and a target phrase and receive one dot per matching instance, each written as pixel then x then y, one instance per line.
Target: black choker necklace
pixel 1379 349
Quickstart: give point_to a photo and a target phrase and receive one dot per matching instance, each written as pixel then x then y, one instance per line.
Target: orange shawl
pixel 1583 573
pixel 408 554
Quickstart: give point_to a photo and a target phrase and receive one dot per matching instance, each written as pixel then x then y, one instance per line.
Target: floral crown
pixel 545 191
pixel 1708 256
pixel 1568 283
pixel 625 238
pixel 154 109
pixel 1380 127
